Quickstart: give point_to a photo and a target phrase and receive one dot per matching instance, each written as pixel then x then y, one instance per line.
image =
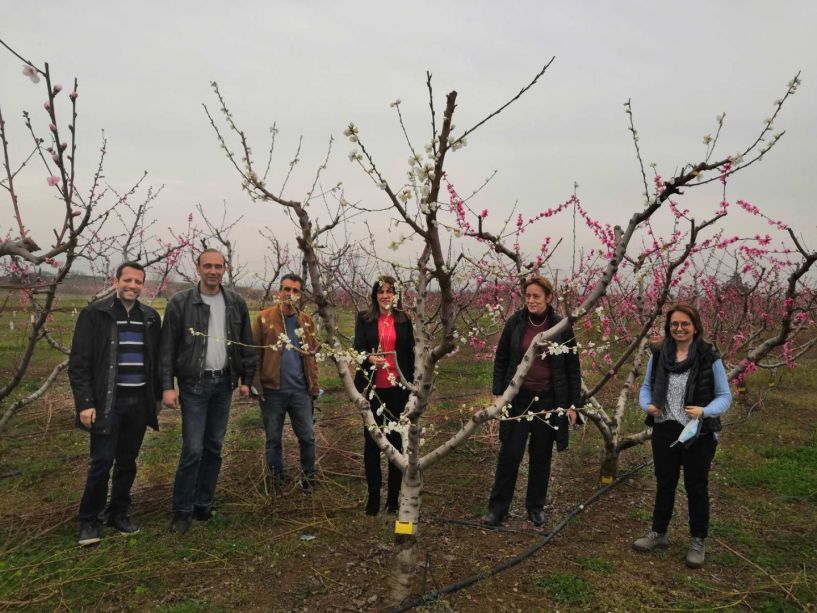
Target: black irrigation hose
pixel 510 562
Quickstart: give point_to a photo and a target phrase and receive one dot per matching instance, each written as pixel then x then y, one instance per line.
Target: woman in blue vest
pixel 685 381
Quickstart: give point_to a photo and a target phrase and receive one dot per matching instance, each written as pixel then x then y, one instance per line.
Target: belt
pixel 215 374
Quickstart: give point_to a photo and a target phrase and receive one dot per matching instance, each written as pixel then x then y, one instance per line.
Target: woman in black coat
pixel 551 383
pixel 385 334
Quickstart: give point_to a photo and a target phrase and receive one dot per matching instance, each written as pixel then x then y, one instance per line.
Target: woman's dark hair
pixel 691 312
pixel 373 312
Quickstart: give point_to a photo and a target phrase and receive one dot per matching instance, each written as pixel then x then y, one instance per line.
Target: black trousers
pixel 513 436
pixel 118 450
pixel 696 461
pixel 394 399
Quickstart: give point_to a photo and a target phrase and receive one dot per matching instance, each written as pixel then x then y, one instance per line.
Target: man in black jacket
pixel 114 379
pixel 207 347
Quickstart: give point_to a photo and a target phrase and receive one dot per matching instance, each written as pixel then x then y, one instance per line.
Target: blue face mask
pixel 689 433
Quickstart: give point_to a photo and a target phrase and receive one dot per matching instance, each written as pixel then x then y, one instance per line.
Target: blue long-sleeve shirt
pixel 719 404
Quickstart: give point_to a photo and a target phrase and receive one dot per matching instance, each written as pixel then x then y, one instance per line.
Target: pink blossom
pixel 47 105
pixel 73 95
pixel 57 89
pixel 484 213
pixel 52 127
pixel 52 180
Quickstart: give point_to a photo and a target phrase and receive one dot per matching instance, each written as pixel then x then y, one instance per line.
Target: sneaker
pixel 697 552
pixel 123 525
pixel 652 540
pixel 180 523
pixel 88 534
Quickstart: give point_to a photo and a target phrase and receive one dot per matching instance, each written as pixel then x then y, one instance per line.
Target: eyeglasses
pixel 680 324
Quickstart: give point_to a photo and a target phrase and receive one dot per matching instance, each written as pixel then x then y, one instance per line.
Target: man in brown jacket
pixel 287 376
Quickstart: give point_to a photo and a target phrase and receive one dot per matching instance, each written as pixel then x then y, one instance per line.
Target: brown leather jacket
pixel 266 331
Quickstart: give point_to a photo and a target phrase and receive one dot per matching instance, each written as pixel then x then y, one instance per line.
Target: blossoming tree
pixel 446 282
pixel 94 224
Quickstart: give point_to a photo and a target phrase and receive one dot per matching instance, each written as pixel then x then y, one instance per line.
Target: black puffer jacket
pixel 565 371
pixel 182 353
pixel 92 367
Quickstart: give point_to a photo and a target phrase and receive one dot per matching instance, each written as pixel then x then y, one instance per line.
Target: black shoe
pixel 88 534
pixel 307 482
pixel 202 513
pixel 537 517
pixel 180 523
pixel 392 508
pixel 372 505
pixel 123 525
pixel 492 519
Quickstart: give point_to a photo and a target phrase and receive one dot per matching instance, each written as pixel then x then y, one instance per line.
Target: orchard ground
pixel 287 549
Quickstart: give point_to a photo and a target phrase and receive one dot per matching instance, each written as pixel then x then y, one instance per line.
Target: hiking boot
pixel 88 534
pixel 697 552
pixel 123 525
pixel 537 517
pixel 181 523
pixel 492 520
pixel 652 540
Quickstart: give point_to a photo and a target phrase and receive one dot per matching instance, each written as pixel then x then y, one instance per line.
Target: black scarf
pixel 665 362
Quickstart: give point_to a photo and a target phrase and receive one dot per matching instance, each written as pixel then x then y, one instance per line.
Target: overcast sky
pixel 144 70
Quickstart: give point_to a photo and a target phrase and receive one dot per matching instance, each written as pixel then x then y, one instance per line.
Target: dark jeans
pixel 513 435
pixel 118 450
pixel 395 399
pixel 695 460
pixel 275 405
pixel 205 411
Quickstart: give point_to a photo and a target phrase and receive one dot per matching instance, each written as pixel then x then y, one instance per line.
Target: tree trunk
pixel 609 463
pixel 406 526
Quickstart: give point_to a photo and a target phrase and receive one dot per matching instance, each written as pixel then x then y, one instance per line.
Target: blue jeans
pixel 299 406
pixel 205 411
pixel 118 450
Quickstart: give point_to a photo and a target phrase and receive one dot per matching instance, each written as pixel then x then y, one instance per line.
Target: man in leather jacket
pixel 206 346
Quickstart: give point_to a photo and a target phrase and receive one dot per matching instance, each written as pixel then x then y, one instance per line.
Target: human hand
pixel 170 398
pixel 693 412
pixel 87 417
pixel 377 360
pixel 654 411
pixel 244 391
pixel 572 416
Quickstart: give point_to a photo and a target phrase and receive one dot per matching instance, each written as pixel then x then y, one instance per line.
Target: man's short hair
pixel 124 265
pixel 210 250
pixel 291 276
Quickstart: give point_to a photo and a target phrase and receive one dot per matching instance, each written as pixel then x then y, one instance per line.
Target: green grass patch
pixel 595 564
pixel 784 470
pixel 564 587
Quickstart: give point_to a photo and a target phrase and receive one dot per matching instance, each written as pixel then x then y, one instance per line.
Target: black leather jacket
pixel 182 353
pixel 92 367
